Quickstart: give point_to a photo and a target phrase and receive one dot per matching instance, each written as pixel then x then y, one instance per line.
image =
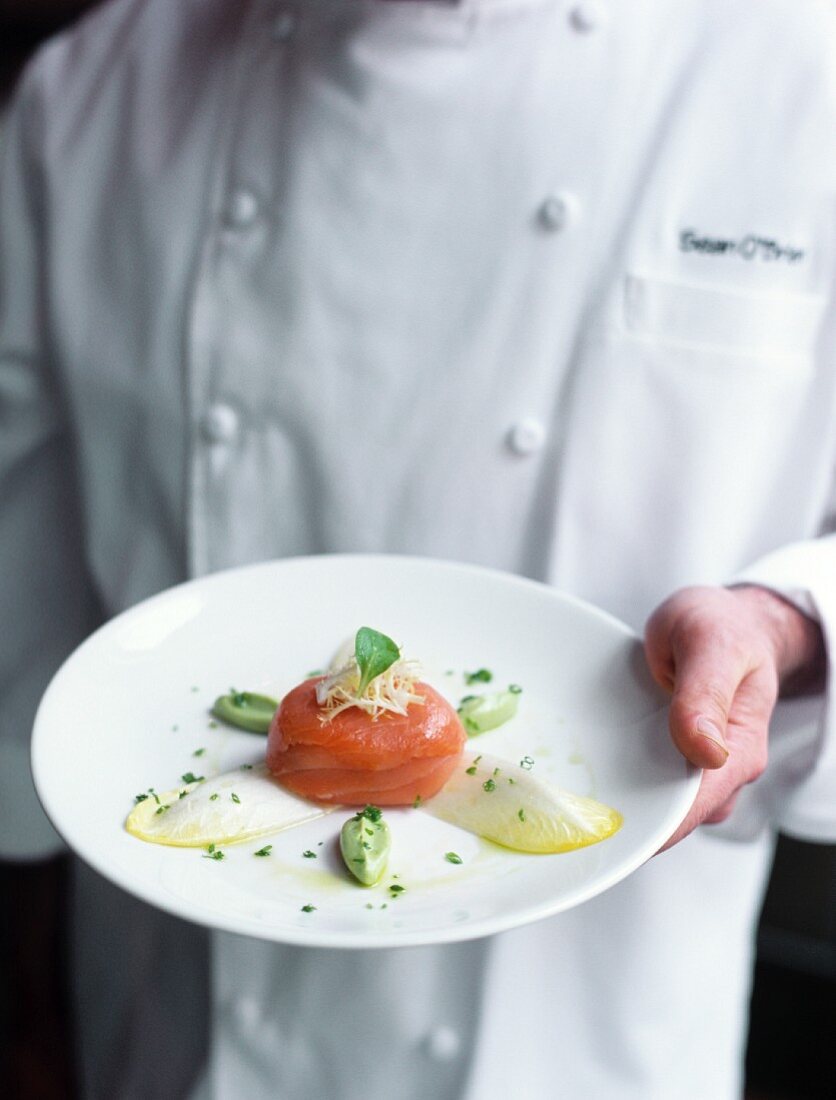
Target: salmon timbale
pixel 355 758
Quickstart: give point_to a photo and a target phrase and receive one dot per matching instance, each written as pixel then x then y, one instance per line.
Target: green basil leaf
pixel 374 653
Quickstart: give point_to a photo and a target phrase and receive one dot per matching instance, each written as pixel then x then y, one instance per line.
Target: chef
pixel 537 284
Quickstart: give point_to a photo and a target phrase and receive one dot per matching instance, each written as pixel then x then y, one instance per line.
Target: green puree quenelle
pixel 365 843
pixel 246 709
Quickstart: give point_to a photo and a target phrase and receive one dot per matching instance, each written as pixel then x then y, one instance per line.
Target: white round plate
pixel 129 709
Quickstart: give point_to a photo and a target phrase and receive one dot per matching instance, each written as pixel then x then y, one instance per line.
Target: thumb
pixel 706 679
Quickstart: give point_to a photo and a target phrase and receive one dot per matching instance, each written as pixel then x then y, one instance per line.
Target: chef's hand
pixel 725 654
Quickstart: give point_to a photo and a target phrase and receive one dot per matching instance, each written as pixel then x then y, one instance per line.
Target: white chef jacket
pixel 536 284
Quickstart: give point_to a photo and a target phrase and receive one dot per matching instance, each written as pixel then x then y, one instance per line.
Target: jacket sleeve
pixel 46 604
pixel 803 733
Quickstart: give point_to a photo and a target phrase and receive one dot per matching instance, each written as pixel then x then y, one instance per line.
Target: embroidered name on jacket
pixel 749 247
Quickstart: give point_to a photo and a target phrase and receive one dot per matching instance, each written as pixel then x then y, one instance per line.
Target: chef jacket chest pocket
pixel 722 381
pixel 696 404
pixel 703 327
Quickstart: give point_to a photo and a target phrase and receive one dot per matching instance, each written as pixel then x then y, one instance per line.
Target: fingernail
pixel 711 732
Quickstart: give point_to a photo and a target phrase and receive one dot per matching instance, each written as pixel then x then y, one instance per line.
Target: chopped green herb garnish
pixel 308 908
pixel 183 794
pixel 313 672
pixel 371 813
pixel 198 752
pixel 467 699
pixel 161 809
pixel 471 770
pixel 214 797
pixel 416 802
pixel 190 777
pixel 496 772
pixel 154 795
pixel 235 798
pixel 396 889
pixel 521 814
pixel 309 854
pixel 480 676
pixel 140 797
pixel 453 857
pixel 489 785
pixel 527 763
pixel 265 851
pixel 246 767
pixel 214 853
pixel 515 689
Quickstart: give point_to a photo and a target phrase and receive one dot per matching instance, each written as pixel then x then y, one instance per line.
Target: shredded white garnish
pixel 392 690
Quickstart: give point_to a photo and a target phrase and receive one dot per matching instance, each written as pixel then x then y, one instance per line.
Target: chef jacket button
pixel 284 25
pixel 557 211
pixel 242 209
pixel 526 437
pixel 443 1044
pixel 219 424
pixel 247 1012
pixel 587 16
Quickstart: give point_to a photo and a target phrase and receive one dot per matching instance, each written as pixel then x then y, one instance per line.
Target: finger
pixel 657 648
pixel 712 805
pixel 722 812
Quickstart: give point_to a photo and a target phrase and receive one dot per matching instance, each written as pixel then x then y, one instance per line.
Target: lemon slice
pixel 504 803
pixel 227 809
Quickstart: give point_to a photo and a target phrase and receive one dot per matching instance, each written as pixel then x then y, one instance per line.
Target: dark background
pixel 792 1039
